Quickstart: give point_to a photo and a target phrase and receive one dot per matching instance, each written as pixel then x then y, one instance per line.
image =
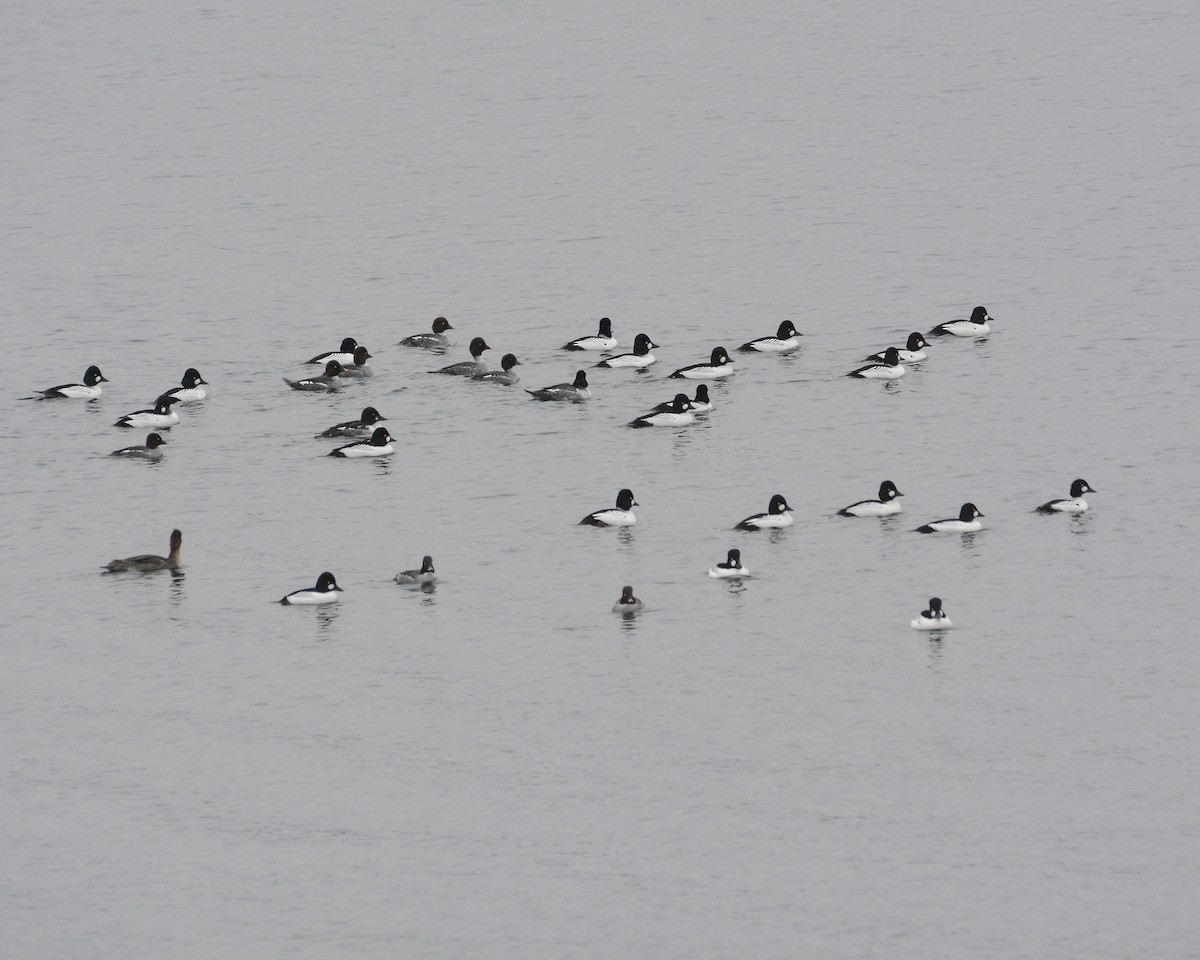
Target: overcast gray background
pixel 503 768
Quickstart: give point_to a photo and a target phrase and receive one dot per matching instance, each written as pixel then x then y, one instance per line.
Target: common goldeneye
pixel 343 356
pixel 468 368
pixel 146 562
pixel 574 392
pixel 932 619
pixel 639 359
pixel 430 341
pixel 161 417
pixel 700 403
pixel 326 591
pixel 716 368
pixel 362 427
pixel 778 515
pixel 420 577
pixel 619 516
pixel 360 367
pixel 380 445
pixel 786 339
pixel 912 352
pixel 191 390
pixel 628 602
pixel 732 567
pixel 977 326
pixel 967 521
pixel 326 382
pixel 90 389
pixel 604 340
pixel 885 506
pixel 1075 504
pixel 889 369
pixel 505 375
pixel 147 451
pixel 679 415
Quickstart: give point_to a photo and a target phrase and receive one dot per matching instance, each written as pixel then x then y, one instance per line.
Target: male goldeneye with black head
pixel 604 340
pixel 326 591
pixel 786 339
pixel 639 359
pixel 716 368
pixel 978 325
pixel 1074 504
pixel 778 515
pixel 732 567
pixel 885 506
pixel 932 619
pixel 967 521
pixel 889 369
pixel 912 352
pixel 679 415
pixel 90 389
pixel 161 417
pixel 190 389
pixel 619 516
pixel 380 445
pixel 344 356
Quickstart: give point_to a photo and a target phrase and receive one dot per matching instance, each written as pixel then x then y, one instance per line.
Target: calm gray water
pixel 503 768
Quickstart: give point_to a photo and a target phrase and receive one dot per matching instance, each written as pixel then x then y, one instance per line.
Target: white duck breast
pixel 162 417
pixel 680 415
pixel 191 389
pixel 604 339
pixel 786 339
pixel 967 521
pixel 932 619
pixel 639 359
pixel 912 352
pixel 885 506
pixel 732 567
pixel 978 325
pixel 1074 504
pixel 90 389
pixel 575 392
pixel 890 369
pixel 326 591
pixel 619 516
pixel 380 445
pixel 778 515
pixel 700 403
pixel 344 356
pixel 717 367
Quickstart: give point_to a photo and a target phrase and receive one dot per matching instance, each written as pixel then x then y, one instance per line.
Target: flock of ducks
pixel 350 362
